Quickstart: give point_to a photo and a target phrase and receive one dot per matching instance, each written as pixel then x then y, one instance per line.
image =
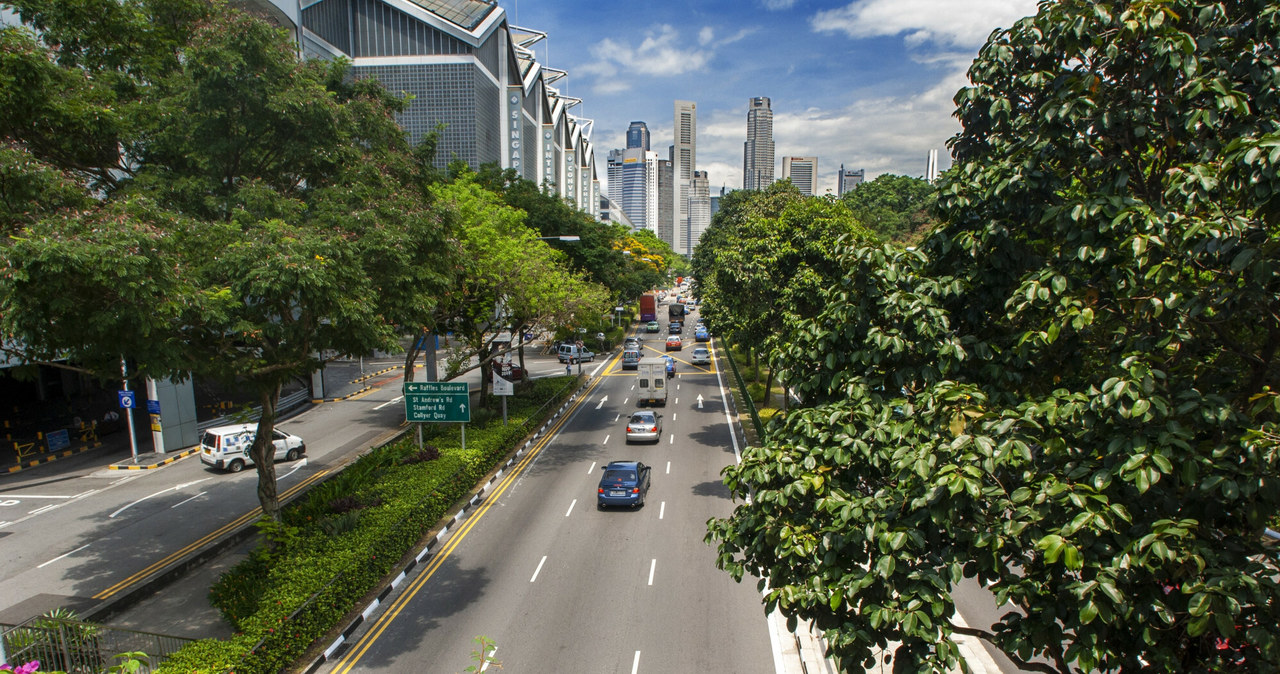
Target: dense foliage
pixel 1068 394
pixel 898 208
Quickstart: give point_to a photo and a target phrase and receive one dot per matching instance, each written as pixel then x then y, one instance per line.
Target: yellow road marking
pixel 366 641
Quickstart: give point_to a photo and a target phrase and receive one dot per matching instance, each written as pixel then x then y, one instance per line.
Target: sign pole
pixel 128 413
pixel 419 435
pixel 504 410
pixel 464 436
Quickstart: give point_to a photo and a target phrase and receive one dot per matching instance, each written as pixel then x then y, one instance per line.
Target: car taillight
pixel 600 490
pixel 635 490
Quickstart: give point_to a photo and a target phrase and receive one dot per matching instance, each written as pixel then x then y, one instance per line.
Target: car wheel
pixel 235 466
pixel 291 455
pixel 599 505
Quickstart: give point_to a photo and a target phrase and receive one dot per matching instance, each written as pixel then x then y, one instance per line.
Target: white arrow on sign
pixel 602 402
pixel 699 401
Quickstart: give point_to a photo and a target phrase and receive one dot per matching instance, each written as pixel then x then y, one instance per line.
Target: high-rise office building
pixel 931 166
pixel 802 171
pixel 757 152
pixel 684 160
pixel 638 135
pixel 699 211
pixel 633 184
pixel 847 179
pixel 666 202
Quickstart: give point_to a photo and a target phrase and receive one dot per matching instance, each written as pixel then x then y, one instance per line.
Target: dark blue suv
pixel 625 483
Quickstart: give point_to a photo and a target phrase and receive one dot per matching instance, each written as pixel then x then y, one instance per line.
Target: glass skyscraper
pixel 757 152
pixel 638 135
pixel 803 172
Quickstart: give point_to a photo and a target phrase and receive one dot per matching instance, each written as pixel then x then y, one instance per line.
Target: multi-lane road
pixel 559 585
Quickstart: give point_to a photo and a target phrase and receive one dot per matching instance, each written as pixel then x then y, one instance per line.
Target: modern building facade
pixel 847 179
pixel 633 184
pixel 467 68
pixel 666 202
pixel 684 160
pixel 638 135
pixel 802 171
pixel 757 152
pixel 699 211
pixel 931 166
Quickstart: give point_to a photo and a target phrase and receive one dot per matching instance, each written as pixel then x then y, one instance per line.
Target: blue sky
pixel 866 83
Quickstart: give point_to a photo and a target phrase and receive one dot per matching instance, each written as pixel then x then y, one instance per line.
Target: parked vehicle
pixel 572 353
pixel 625 483
pixel 630 359
pixel 228 447
pixel 648 307
pixel 651 381
pixel 644 426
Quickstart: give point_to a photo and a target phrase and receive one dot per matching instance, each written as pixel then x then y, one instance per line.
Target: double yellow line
pixel 365 642
pixel 215 534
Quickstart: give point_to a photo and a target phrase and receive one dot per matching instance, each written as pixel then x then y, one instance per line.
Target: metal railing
pixel 286 403
pixel 81 648
pixel 742 386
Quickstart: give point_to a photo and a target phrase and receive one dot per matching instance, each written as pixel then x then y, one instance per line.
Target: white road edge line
pixel 539 569
pixel 635 664
pixel 21 496
pixel 66 555
pixel 571 505
pixel 37 511
pixel 737 455
pixel 190 499
pixel 653 564
pixel 390 402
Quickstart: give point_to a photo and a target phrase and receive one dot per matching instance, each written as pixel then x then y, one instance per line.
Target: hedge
pixel 346 535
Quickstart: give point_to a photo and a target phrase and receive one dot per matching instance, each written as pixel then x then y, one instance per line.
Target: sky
pixel 864 83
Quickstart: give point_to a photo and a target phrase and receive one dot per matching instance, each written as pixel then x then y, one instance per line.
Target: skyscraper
pixel 633 184
pixel 847 179
pixel 638 135
pixel 666 202
pixel 699 210
pixel 684 159
pixel 757 152
pixel 931 166
pixel 802 171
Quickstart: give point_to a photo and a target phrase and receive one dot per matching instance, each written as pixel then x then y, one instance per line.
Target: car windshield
pixel 641 419
pixel 619 476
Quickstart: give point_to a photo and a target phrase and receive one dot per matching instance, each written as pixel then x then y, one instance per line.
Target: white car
pixel 701 356
pixel 227 447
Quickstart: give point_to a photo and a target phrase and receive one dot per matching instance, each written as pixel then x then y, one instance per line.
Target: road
pixel 562 586
pixel 76 538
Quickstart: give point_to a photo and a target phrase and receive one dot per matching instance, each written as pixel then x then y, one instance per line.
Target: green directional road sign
pixel 440 401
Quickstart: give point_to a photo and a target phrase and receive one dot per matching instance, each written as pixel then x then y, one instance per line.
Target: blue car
pixel 701 335
pixel 671 366
pixel 625 483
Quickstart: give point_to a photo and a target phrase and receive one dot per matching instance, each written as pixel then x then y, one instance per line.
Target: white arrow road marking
pixel 173 488
pixel 699 401
pixel 297 465
pixel 390 402
pixel 602 402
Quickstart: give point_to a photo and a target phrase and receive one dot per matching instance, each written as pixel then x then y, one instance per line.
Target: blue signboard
pixel 153 407
pixel 127 401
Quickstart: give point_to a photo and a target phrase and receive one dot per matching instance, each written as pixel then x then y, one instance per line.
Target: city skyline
pixel 868 84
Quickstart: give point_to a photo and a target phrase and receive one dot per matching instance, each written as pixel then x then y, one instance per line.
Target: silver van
pixel 572 353
pixel 630 359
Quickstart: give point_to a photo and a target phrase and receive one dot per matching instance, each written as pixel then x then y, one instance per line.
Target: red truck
pixel 648 307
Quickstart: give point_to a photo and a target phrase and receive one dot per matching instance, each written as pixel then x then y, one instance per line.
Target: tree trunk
pixel 768 389
pixel 755 364
pixel 520 351
pixel 263 454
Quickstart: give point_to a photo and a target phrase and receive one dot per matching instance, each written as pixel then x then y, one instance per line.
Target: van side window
pixel 644 383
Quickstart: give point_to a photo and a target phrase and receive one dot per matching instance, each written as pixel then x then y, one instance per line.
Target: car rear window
pixel 641 418
pixel 619 476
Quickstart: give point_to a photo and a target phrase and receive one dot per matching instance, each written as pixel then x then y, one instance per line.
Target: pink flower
pixel 29 668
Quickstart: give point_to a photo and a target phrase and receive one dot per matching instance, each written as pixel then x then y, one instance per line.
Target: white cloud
pixel 659 54
pixel 777 5
pixel 706 35
pixel 945 22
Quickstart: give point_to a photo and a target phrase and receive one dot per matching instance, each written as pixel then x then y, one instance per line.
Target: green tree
pixel 1068 393
pixel 893 206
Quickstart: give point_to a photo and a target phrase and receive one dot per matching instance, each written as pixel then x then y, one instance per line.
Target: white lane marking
pixel 662 508
pixel 624 401
pixel 37 511
pixel 190 499
pixel 35 496
pixel 5 524
pixel 592 469
pixel 677 401
pixel 602 401
pixel 571 505
pixel 617 416
pixel 672 441
pixel 699 401
pixel 668 468
pixel 66 555
pixel 606 439
pixel 173 488
pixel 597 369
pixel 635 664
pixel 677 386
pixel 652 565
pixel 489 660
pixel 539 569
pixel 633 387
pixel 674 415
pixel 737 456
pixel 390 402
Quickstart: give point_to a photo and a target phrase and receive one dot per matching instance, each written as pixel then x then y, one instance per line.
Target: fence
pixel 81 648
pixel 286 403
pixel 742 387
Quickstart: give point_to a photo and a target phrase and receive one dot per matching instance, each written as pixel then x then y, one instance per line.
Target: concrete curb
pixel 340 645
pixel 49 458
pixel 164 462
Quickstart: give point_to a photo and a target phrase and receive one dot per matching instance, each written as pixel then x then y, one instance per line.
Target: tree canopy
pixel 896 207
pixel 1068 393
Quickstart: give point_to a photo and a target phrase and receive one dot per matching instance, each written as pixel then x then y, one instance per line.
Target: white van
pixel 651 381
pixel 227 447
pixel 572 353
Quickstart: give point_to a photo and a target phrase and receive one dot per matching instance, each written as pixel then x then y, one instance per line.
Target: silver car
pixel 701 356
pixel 644 426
